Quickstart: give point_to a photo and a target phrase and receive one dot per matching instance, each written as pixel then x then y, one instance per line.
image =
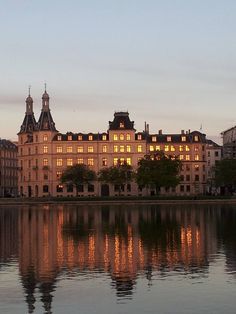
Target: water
pixel 117 259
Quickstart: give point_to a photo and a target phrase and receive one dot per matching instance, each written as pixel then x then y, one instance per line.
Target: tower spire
pixel 29 122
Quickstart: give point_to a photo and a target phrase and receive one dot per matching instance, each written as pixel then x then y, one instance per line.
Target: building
pixel 8 169
pixel 229 142
pixel 44 153
pixel 213 155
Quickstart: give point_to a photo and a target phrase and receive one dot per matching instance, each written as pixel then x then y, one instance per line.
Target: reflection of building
pixel 8 168
pixel 44 153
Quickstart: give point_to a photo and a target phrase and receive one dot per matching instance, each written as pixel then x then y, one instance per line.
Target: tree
pixel 78 175
pixel 117 175
pixel 225 174
pixel 158 170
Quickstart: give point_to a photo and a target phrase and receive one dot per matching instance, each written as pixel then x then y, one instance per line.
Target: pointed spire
pixel 45 120
pixel 29 123
pixel 45 99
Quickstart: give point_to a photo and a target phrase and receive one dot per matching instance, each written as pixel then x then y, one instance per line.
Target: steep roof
pixel 121 121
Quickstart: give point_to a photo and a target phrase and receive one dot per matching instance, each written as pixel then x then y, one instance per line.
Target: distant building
pixel 213 155
pixel 44 153
pixel 229 142
pixel 8 168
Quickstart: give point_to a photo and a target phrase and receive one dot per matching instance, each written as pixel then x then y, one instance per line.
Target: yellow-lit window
pixel 187 157
pixel 45 162
pixel 115 161
pixel 139 148
pixel 128 148
pixel 80 161
pixel 196 138
pixel 128 137
pixel 115 137
pixel 158 147
pixel 80 149
pixel 104 148
pixel 69 162
pixel 187 148
pixel 166 148
pixel 59 173
pixel 168 138
pixel 139 137
pixel 122 148
pixel 196 157
pixel 122 161
pixel 181 148
pixel 104 137
pixel 59 137
pixel 128 161
pixel 90 149
pixel 80 137
pixel 183 138
pixel 122 137
pixel 104 161
pixel 151 148
pixel 90 138
pixel 90 162
pixel 69 137
pixel 59 162
pixel 69 149
pixel 59 149
pixel 115 149
pixel 45 138
pixel 172 148
pixel 181 157
pixel 154 138
pixel 45 149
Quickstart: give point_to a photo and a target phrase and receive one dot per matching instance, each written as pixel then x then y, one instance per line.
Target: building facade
pixel 8 169
pixel 229 142
pixel 44 153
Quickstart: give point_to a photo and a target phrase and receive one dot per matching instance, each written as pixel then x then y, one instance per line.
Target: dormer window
pixel 80 138
pixel 45 137
pixel 139 137
pixel 183 138
pixel 122 124
pixel 59 137
pixel 154 138
pixel 90 138
pixel 168 138
pixel 196 138
pixel 69 137
pixel 104 137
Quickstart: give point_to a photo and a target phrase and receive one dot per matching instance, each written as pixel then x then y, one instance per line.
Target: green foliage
pixel 225 173
pixel 77 175
pixel 158 170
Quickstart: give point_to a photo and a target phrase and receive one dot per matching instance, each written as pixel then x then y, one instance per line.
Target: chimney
pixel 182 131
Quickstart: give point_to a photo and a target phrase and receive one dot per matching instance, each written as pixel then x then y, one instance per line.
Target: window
pixel 104 137
pixel 172 148
pixel 45 138
pixel 128 137
pixel 80 161
pixel 90 149
pixel 104 148
pixel 151 148
pixel 122 161
pixel 154 138
pixel 181 148
pixel 196 167
pixel 187 177
pixel 90 162
pixel 168 138
pixel 122 125
pixel 59 137
pixel 187 188
pixel 59 149
pixel 45 176
pixel 80 149
pixel 90 138
pixel 187 157
pixel 69 149
pixel 128 187
pixel 104 161
pixel 166 148
pixel 196 148
pixel 59 173
pixel 69 162
pixel 183 138
pixel 59 162
pixel 187 148
pixel 69 188
pixel 196 177
pixel 115 137
pixel 158 147
pixel 59 188
pixel 45 162
pixel 187 168
pixel 45 189
pixel 90 188
pixel 181 188
pixel 128 148
pixel 182 177
pixel 196 157
pixel 216 154
pixel 80 137
pixel 196 138
pixel 128 161
pixel 181 157
pixel 45 149
pixel 122 148
pixel 115 161
pixel 80 188
pixel 122 137
pixel 115 149
pixel 139 148
pixel 139 137
pixel 69 137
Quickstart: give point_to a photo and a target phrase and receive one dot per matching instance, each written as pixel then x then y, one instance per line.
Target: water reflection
pixel 56 242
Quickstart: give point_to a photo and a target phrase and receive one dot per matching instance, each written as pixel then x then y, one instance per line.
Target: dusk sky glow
pixel 170 63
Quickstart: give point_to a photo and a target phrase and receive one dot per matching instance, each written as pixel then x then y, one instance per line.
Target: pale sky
pixel 170 63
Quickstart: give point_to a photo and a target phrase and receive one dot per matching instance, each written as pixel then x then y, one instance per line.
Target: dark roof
pixel 46 121
pixel 177 138
pixel 213 144
pixel 6 144
pixel 121 121
pixel 29 124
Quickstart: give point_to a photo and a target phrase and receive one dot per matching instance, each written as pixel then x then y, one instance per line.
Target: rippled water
pixel 117 259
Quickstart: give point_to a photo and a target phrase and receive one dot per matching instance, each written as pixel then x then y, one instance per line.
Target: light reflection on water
pixel 117 259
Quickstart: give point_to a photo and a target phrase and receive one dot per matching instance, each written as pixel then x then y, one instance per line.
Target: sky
pixel 171 63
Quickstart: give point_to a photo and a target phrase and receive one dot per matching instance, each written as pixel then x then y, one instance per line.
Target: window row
pixel 169 138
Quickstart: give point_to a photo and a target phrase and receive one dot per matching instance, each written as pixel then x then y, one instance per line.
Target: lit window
pixel 181 148
pixel 168 138
pixel 158 147
pixel 69 149
pixel 122 161
pixel 166 148
pixel 128 161
pixel 183 138
pixel 104 148
pixel 122 137
pixel 59 162
pixel 172 148
pixel 115 149
pixel 181 157
pixel 115 161
pixel 196 167
pixel 139 137
pixel 139 148
pixel 128 148
pixel 154 138
pixel 104 161
pixel 45 138
pixel 59 137
pixel 59 173
pixel 80 138
pixel 196 157
pixel 151 148
pixel 90 138
pixel 128 137
pixel 45 149
pixel 196 138
pixel 45 161
pixel 59 149
pixel 187 157
pixel 122 149
pixel 60 188
pixel 69 137
pixel 90 149
pixel 115 137
pixel 69 162
pixel 90 162
pixel 80 149
pixel 196 148
pixel 80 161
pixel 122 125
pixel 104 137
pixel 187 148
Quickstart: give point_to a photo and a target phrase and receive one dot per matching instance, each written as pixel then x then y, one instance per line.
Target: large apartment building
pixel 44 153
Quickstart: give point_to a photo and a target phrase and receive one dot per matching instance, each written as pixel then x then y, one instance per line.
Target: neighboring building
pixel 229 143
pixel 44 153
pixel 8 168
pixel 213 155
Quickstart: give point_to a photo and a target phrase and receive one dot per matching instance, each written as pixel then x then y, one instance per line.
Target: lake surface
pixel 118 259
